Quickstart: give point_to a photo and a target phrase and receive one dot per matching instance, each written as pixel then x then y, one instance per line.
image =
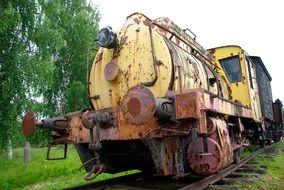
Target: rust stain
pixel 110 95
pixel 111 71
pixel 137 105
pixel 123 40
pixel 166 20
pixel 134 106
pixel 211 51
pixel 159 62
pixel 177 41
pixel 137 37
pixel 147 23
pixel 99 57
pixel 136 20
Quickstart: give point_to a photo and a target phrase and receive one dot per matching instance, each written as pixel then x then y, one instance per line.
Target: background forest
pixel 43 45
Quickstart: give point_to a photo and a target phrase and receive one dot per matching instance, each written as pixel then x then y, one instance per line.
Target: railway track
pixel 192 182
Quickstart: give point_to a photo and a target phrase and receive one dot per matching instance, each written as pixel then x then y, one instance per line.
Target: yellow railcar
pixel 239 72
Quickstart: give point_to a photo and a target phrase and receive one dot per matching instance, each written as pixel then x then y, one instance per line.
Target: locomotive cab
pixel 240 73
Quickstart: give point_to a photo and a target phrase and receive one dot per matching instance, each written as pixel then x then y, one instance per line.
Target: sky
pixel 255 25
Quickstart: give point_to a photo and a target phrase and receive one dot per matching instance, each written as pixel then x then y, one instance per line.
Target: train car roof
pixel 257 60
pixel 225 47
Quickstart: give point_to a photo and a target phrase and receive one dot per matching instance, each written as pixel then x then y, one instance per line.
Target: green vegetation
pixel 43 45
pixel 249 150
pixel 44 174
pixel 15 174
pixel 274 178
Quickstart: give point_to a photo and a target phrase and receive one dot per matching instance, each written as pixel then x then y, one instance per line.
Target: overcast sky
pixel 255 25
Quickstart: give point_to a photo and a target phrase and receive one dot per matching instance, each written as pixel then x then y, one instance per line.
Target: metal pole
pixel 27 149
pixel 10 149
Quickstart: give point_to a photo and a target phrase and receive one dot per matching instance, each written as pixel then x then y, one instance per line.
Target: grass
pixel 248 150
pixel 274 177
pixel 44 174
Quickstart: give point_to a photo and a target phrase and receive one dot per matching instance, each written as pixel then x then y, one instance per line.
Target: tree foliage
pixel 15 28
pixel 67 30
pixel 43 45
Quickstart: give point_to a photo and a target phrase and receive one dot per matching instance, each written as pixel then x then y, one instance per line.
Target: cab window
pixel 231 66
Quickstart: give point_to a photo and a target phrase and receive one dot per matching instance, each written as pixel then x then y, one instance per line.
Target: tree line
pixel 43 45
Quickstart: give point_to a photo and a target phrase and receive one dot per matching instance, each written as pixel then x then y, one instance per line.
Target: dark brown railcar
pixel 278 112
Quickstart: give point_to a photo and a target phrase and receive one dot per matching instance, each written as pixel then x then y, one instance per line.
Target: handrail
pixel 153 81
pixel 87 66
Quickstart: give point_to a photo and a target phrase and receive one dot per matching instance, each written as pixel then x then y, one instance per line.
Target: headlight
pixel 107 38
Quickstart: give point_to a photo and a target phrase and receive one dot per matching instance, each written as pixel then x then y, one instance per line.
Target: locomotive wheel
pixel 205 163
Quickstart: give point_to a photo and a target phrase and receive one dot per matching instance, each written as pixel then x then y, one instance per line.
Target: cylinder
pixel 146 56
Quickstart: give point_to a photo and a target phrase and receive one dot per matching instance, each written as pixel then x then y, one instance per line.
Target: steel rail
pixel 128 181
pixel 210 180
pixel 106 182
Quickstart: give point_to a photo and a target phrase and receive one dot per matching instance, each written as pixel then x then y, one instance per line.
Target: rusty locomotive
pixel 163 104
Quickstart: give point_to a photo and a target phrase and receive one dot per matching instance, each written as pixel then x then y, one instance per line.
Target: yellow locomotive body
pixel 144 47
pixel 161 101
pixel 240 73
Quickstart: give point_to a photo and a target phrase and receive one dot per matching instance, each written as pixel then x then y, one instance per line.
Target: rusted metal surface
pixel 214 151
pixel 135 119
pixel 224 106
pixel 221 135
pixel 171 31
pixel 166 27
pixel 111 71
pixel 29 124
pixel 189 72
pixel 207 181
pixel 193 102
pixel 94 172
pixel 187 105
pixel 78 133
pixel 121 128
pixel 205 163
pixel 167 154
pixel 138 105
pixel 190 105
pixel 277 110
pixel 86 121
pixel 138 62
pixel 140 37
